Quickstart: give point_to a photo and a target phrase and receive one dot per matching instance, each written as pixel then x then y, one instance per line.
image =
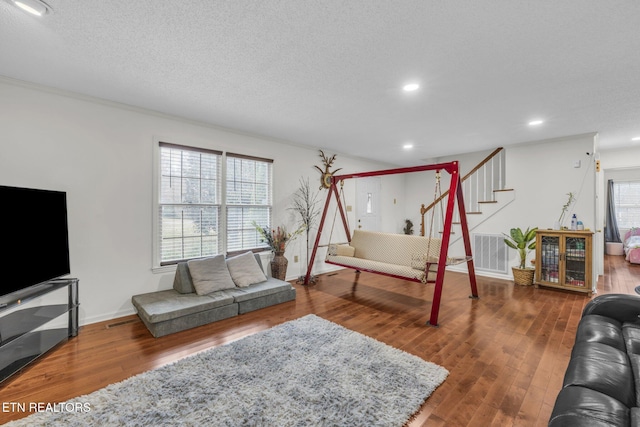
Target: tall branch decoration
pixel 307 205
pixel 326 174
pixel 558 224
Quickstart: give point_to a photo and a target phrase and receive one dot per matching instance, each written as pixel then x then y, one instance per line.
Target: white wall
pixel 101 154
pixel 542 174
pixel 618 159
pixel 626 174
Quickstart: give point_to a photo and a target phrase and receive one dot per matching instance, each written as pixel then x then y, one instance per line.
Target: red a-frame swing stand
pixel 455 193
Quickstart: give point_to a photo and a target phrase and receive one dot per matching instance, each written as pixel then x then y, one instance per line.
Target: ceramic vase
pixel 279 265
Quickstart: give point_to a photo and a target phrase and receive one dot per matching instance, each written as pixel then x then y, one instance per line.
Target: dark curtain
pixel 611 233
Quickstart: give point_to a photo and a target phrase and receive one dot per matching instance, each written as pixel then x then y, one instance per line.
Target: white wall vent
pixel 490 253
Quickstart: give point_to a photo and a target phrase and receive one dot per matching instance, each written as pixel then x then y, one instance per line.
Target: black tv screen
pixel 35 237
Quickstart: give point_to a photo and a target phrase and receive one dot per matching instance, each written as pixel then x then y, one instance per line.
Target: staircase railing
pixel 478 186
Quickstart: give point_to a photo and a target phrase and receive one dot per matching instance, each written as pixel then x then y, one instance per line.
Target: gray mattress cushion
pixel 170 304
pixel 271 286
pixel 160 329
pixel 266 301
pixel 182 281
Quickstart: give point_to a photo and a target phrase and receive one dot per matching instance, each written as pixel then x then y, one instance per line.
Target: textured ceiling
pixel 328 73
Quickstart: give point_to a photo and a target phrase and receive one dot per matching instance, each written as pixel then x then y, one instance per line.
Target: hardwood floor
pixel 506 352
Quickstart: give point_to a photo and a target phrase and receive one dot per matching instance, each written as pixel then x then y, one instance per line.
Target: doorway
pixel 368 203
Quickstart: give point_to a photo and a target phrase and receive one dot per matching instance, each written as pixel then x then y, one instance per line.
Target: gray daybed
pixel 208 290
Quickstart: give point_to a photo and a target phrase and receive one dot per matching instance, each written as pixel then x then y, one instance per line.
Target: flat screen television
pixel 35 237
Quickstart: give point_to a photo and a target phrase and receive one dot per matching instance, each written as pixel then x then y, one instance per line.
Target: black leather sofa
pixel 601 384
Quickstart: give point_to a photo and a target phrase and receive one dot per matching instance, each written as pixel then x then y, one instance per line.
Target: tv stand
pixel 29 330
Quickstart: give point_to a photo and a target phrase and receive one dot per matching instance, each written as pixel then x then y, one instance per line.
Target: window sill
pixel 265 255
pixel 164 269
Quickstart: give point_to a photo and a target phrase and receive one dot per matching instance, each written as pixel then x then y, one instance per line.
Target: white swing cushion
pixel 389 253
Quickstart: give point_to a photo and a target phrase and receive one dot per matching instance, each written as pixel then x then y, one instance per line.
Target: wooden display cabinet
pixel 564 260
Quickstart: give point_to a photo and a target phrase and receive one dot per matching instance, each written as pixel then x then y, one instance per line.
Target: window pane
pixel 248 170
pixel 262 172
pixel 170 190
pixel 241 233
pixel 248 200
pixel 176 163
pixel 171 249
pixel 190 190
pixel 173 218
pixel 209 168
pixel 233 193
pixel 208 193
pixel 248 193
pixel 627 203
pixel 262 194
pixel 189 231
pixel 191 164
pixel 189 203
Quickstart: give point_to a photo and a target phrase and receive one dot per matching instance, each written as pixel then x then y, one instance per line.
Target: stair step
pixel 474 213
pixel 488 201
pixel 504 189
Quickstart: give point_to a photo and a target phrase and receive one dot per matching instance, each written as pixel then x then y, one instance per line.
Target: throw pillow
pixel 345 250
pixel 244 270
pixel 210 275
pixel 333 250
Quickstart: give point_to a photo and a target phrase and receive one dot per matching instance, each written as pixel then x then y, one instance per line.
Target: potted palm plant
pixel 523 242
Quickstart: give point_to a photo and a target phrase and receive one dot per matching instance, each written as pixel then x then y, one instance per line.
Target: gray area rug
pixel 306 372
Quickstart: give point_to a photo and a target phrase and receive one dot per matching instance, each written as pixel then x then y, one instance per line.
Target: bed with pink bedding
pixel 632 245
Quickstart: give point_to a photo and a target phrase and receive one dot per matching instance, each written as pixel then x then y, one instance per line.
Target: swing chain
pixel 335 215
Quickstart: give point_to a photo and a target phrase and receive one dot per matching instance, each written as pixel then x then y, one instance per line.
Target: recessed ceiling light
pixel 535 122
pixel 34 7
pixel 637 138
pixel 407 146
pixel 411 87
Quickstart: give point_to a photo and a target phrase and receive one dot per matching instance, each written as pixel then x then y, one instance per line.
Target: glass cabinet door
pixel 550 262
pixel 563 260
pixel 575 261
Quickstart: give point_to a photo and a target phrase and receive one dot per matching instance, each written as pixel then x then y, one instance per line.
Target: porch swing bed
pixel 396 255
pixel 414 258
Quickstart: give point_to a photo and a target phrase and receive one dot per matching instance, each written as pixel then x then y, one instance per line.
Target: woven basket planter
pixel 523 276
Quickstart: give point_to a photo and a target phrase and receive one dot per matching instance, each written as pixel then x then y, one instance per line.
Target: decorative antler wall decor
pixel 325 179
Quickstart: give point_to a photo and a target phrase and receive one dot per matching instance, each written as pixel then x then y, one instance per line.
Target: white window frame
pixel 222 225
pixel 265 204
pixel 632 204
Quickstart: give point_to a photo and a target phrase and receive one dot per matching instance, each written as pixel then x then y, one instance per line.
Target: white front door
pixel 368 203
